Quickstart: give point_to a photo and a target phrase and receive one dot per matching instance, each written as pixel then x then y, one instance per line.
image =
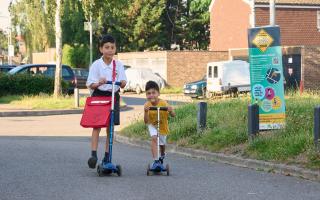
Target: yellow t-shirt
pixel 153 117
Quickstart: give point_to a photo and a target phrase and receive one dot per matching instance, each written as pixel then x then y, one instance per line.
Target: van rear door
pixel 213 78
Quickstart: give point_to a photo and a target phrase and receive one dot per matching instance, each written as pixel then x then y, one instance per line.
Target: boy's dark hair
pixel 105 39
pixel 152 85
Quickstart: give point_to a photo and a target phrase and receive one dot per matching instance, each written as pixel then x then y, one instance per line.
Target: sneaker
pixel 161 159
pixel 155 164
pixel 92 162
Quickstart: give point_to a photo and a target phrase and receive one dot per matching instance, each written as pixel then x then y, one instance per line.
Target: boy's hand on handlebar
pixel 123 84
pixel 146 108
pixel 102 81
pixel 171 111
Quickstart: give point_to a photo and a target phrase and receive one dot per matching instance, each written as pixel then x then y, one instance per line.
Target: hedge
pixel 25 84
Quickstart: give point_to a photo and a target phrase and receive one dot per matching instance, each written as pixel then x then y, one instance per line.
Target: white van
pixel 228 76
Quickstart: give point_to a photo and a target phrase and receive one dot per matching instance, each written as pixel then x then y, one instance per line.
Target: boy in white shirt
pixel 100 72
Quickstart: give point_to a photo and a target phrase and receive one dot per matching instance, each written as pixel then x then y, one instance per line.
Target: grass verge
pixel 227 131
pixel 172 90
pixel 42 101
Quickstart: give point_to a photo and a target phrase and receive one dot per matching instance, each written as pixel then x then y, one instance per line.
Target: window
pixel 318 20
pixel 29 70
pixel 210 72
pixel 215 72
pixel 49 71
pixel 43 70
pixel 65 73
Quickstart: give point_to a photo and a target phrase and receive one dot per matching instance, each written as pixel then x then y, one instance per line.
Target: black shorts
pixel 99 93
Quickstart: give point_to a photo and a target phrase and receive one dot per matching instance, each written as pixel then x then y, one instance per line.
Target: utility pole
pixel 253 14
pixel 10 45
pixel 272 13
pixel 90 29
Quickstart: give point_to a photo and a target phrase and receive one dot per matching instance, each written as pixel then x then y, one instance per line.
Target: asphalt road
pixel 38 168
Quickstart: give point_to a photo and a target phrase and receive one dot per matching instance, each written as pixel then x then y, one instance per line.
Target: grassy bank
pixel 172 90
pixel 227 131
pixel 41 102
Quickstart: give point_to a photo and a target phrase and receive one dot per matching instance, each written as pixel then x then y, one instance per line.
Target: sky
pixel 4 14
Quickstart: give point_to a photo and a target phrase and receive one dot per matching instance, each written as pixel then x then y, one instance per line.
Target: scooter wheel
pixel 167 169
pixel 119 170
pixel 99 171
pixel 148 170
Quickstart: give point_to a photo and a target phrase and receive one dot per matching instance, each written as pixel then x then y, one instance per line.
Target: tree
pixel 57 82
pixel 109 17
pixel 144 26
pixel 34 21
pixel 187 23
pixel 137 25
pixel 75 39
pixel 3 41
pixel 73 18
pixel 175 20
pixel 197 28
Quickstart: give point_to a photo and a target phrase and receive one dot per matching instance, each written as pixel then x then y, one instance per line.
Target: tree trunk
pixel 58 74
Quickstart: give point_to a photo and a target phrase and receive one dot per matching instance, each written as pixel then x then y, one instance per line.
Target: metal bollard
pixel 76 97
pixel 201 117
pixel 316 127
pixel 253 121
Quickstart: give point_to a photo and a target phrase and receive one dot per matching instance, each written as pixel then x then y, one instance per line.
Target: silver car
pixel 138 77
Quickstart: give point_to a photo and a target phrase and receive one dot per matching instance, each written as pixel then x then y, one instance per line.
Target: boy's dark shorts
pixel 99 93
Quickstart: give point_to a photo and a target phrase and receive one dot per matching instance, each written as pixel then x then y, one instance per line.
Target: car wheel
pixel 204 90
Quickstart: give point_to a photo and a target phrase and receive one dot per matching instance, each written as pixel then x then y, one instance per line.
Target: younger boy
pixel 100 72
pixel 151 120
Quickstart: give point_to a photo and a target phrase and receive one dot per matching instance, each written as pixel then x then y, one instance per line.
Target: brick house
pixel 299 21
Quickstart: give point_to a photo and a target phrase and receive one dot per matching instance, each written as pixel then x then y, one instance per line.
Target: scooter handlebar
pixel 110 83
pixel 156 108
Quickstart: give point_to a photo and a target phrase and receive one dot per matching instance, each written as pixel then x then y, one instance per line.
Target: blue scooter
pixel 108 167
pixel 158 168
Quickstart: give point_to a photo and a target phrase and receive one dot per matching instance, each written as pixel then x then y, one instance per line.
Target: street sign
pixel 266 76
pixel 86 26
pixel 11 50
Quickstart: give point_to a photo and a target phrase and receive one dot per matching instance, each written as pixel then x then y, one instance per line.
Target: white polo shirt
pixel 99 69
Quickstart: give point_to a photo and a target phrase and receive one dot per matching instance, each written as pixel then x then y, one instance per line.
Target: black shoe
pixel 105 160
pixel 92 162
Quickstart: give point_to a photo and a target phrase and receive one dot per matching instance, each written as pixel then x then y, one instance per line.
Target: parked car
pixel 196 89
pixel 48 70
pixel 228 77
pixel 137 79
pixel 6 68
pixel 82 76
